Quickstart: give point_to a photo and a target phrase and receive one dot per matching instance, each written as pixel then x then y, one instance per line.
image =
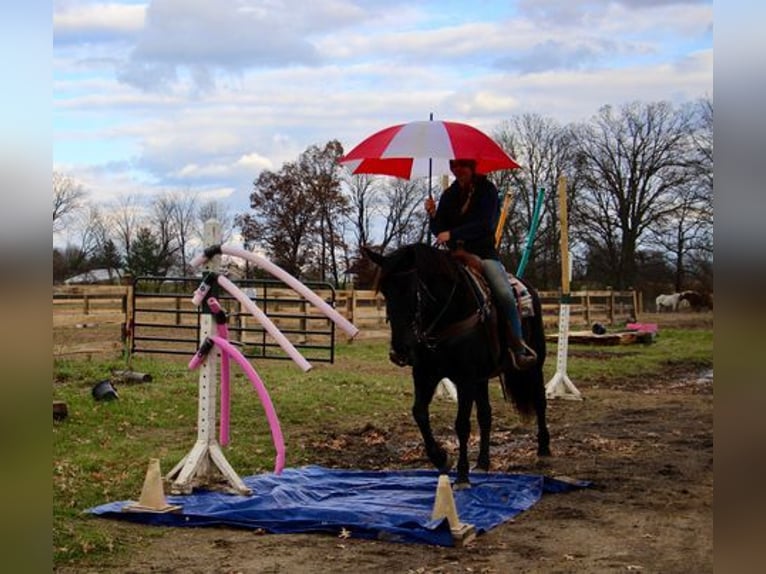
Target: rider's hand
pixel 430 206
pixel 442 238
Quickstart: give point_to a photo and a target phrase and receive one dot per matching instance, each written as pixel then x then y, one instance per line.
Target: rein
pixel 424 336
pixel 429 336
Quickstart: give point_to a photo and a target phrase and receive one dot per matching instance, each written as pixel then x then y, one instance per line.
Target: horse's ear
pixel 374 256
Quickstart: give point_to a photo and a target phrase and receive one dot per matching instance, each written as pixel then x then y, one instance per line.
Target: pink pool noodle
pixel 200 355
pixel 283 275
pixel 271 415
pixel 272 329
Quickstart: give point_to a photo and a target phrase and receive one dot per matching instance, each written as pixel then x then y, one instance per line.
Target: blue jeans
pixel 497 277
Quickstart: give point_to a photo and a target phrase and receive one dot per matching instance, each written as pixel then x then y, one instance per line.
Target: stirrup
pixel 530 351
pixel 522 362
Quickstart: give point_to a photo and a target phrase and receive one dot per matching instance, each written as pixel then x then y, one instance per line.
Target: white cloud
pixel 203 39
pixel 484 102
pixel 577 12
pixel 255 161
pixel 99 22
pixel 246 164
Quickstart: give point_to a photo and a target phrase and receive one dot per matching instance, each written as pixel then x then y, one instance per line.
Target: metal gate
pixel 164 319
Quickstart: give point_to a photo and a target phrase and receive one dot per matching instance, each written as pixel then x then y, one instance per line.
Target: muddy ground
pixel 645 444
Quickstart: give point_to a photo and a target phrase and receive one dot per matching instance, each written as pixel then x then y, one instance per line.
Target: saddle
pixel 498 332
pixel 472 264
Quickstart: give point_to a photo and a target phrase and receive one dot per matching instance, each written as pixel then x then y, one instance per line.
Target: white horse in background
pixel 667 302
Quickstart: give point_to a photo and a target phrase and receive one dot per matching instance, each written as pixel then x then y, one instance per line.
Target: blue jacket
pixel 475 228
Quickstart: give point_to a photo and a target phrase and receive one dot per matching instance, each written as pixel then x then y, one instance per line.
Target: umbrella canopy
pixel 425 147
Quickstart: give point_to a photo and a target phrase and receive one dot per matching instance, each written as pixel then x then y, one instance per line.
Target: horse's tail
pixel 525 389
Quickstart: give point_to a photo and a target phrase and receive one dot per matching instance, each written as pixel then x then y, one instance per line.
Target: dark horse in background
pixel 442 327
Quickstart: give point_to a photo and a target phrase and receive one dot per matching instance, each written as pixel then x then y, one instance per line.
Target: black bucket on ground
pixel 104 391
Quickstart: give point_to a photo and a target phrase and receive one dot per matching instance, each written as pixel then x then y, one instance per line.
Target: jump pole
pixel 205 463
pixel 504 208
pixel 560 385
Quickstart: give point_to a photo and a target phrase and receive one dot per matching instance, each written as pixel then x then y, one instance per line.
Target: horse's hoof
pixel 446 466
pixel 479 470
pixel 543 462
pixel 461 485
pixel 544 451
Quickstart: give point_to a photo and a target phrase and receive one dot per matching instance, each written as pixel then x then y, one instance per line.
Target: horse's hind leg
pixel 424 392
pixel 484 417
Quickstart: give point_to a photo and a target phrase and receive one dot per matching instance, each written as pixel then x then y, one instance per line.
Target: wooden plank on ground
pixel 590 338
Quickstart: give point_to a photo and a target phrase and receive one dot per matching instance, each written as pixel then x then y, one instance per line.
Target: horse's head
pixel 413 286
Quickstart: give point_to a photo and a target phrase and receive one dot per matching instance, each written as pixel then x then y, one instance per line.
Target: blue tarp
pixel 384 505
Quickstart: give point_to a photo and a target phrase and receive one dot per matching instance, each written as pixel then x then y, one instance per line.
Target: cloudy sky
pixel 202 95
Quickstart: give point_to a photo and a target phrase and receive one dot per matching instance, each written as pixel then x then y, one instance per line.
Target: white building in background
pixel 95 276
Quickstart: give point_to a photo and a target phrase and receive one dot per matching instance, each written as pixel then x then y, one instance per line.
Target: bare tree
pixel 68 196
pixel 183 211
pixel 702 138
pixel 125 218
pixel 632 164
pixel 686 232
pixel 683 232
pixel 364 197
pixel 93 230
pixel 162 219
pixel 542 147
pixel 402 209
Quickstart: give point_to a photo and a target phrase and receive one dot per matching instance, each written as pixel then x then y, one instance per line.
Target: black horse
pixel 443 327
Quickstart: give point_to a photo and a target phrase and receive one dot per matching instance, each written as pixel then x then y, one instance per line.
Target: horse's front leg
pixel 484 417
pixel 425 387
pixel 465 399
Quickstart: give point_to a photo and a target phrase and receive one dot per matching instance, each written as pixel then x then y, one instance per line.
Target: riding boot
pixel 521 355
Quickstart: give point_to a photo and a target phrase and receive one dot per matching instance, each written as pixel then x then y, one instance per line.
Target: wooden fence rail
pixel 108 308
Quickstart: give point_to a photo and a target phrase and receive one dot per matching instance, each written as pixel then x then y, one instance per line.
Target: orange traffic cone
pixel 444 506
pixel 152 495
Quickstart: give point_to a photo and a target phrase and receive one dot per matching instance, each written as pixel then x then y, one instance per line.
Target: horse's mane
pixel 428 260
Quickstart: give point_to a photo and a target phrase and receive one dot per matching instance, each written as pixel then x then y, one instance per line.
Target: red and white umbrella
pixel 424 148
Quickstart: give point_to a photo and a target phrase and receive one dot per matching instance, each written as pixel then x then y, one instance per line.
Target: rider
pixel 466 217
